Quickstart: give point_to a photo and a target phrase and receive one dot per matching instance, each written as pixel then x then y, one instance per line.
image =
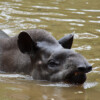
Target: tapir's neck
pixel 49 47
pixel 9 43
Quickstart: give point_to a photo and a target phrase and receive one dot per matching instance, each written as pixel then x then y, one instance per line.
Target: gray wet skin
pixel 37 53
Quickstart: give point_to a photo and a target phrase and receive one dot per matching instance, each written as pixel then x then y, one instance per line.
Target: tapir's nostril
pixel 89 68
pixel 85 69
pixel 82 69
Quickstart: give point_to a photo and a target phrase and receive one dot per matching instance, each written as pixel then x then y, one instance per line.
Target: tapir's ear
pixel 67 41
pixel 26 44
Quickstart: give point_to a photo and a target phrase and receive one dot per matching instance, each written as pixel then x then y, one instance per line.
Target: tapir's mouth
pixel 76 78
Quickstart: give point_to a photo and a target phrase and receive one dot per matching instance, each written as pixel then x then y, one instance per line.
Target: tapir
pixel 37 53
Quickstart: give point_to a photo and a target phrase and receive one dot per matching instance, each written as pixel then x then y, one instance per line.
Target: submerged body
pixel 38 53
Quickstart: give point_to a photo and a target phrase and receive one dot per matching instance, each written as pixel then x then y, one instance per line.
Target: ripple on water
pixel 11 4
pixel 71 9
pixel 96 59
pixel 63 20
pixel 5 15
pixel 14 88
pixel 86 85
pixel 90 10
pixel 98 30
pixel 90 16
pixel 98 16
pixel 76 24
pixel 45 7
pixel 12 78
pixel 85 36
pixel 16 76
pixel 96 69
pixel 43 26
pixel 79 13
pixel 24 19
pixel 89 85
pixel 18 0
pixel 10 10
pixel 84 47
pixel 94 21
pixel 56 85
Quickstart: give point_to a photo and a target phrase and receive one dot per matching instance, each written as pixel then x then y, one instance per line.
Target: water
pixel 60 17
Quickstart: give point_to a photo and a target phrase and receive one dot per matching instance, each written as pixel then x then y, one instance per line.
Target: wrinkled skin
pixel 62 66
pixel 37 53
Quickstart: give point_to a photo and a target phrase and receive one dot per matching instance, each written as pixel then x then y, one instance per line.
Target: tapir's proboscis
pixel 37 53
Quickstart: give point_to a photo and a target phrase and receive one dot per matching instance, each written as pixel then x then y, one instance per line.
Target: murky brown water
pixel 59 17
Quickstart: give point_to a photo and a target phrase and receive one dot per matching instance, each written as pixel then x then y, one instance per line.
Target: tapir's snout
pixel 79 77
pixel 85 69
pixel 79 66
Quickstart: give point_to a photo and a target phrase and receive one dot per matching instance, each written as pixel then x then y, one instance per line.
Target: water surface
pixel 60 17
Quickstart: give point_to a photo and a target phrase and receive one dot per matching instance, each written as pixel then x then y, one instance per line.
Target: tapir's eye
pixel 53 63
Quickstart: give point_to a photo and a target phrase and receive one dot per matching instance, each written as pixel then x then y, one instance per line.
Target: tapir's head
pixel 55 62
